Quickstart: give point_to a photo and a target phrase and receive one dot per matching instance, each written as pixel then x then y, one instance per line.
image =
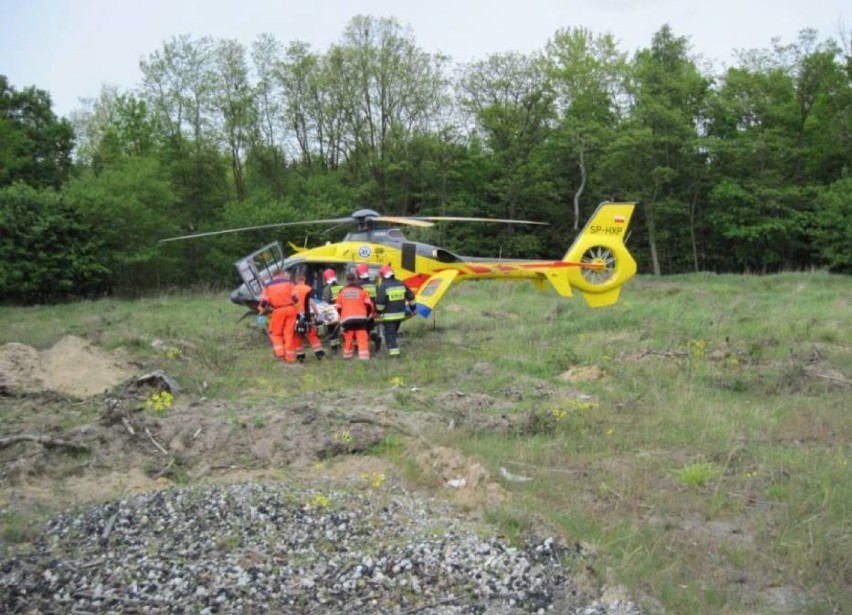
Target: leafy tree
pixel 35 146
pixel 758 230
pixel 198 177
pixel 305 112
pixel 180 84
pixel 114 125
pixel 47 252
pixel 266 55
pixel 833 233
pixel 234 99
pixel 822 97
pixel 778 130
pixel 389 90
pixel 669 97
pixel 511 100
pixel 179 81
pixel 128 206
pixel 588 74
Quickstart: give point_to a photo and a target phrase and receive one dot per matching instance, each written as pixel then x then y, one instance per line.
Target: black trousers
pixel 392 335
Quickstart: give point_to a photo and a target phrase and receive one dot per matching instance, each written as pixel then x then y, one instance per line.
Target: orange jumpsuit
pixel 355 308
pixel 304 306
pixel 278 295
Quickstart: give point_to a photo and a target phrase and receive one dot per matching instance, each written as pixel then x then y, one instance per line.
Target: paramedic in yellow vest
pixel 331 288
pixel 394 301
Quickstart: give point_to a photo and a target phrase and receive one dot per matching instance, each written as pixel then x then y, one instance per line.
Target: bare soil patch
pixel 73 367
pixel 78 429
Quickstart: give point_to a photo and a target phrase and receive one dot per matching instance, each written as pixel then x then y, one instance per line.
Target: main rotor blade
pixel 260 226
pixel 463 219
pixel 422 222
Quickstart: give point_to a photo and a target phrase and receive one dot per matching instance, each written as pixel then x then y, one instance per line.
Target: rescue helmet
pixel 362 270
pixel 329 276
pixel 386 271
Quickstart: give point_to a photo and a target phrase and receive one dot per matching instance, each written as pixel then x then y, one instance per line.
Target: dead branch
pixel 165 469
pixel 834 378
pixel 157 444
pixel 43 440
pixel 128 426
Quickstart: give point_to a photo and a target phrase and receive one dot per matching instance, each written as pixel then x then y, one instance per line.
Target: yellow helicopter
pixel 597 264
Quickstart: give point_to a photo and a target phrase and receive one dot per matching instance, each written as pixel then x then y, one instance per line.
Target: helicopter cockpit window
pixel 374 270
pixel 260 266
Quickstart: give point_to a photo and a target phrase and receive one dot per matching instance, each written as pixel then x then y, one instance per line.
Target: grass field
pixel 694 440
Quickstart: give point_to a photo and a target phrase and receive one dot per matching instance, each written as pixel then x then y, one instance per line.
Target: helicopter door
pixel 433 290
pixel 260 266
pixel 409 256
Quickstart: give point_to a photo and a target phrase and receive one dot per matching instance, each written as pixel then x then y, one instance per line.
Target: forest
pixel 748 170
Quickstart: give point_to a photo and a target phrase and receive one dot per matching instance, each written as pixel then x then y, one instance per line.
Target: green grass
pixel 710 464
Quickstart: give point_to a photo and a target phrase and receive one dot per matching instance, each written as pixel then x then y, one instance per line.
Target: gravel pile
pixel 275 548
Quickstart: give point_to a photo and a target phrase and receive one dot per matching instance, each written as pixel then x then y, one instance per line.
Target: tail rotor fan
pixel 600 265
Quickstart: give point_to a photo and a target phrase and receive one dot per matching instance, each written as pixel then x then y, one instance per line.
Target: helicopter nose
pixel 242 296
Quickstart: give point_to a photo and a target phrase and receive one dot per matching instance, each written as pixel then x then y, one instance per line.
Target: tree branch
pixel 43 440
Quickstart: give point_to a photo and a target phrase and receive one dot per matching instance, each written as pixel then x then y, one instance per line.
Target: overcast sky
pixel 72 47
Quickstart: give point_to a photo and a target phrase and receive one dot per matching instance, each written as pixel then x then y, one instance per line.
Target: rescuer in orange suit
pixel 306 319
pixel 356 308
pixel 362 270
pixel 279 297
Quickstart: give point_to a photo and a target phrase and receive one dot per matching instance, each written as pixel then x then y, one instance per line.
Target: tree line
pixel 748 170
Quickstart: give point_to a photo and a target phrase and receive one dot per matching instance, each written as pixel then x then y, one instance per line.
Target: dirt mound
pixel 72 367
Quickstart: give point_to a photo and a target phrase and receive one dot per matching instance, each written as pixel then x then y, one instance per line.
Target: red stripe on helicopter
pixel 619 219
pixel 415 281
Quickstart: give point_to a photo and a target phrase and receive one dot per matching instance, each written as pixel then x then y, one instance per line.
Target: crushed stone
pixel 257 547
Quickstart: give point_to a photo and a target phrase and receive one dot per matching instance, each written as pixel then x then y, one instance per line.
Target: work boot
pixel 320 354
pixel 300 358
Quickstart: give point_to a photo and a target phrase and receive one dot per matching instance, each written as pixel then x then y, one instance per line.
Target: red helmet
pixel 362 270
pixel 329 276
pixel 386 271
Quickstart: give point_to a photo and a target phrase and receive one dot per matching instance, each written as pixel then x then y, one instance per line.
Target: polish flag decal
pixel 619 219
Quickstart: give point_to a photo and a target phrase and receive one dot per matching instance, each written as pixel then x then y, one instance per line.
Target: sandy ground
pixel 72 367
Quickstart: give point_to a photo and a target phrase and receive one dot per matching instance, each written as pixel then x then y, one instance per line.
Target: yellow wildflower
pixel 159 402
